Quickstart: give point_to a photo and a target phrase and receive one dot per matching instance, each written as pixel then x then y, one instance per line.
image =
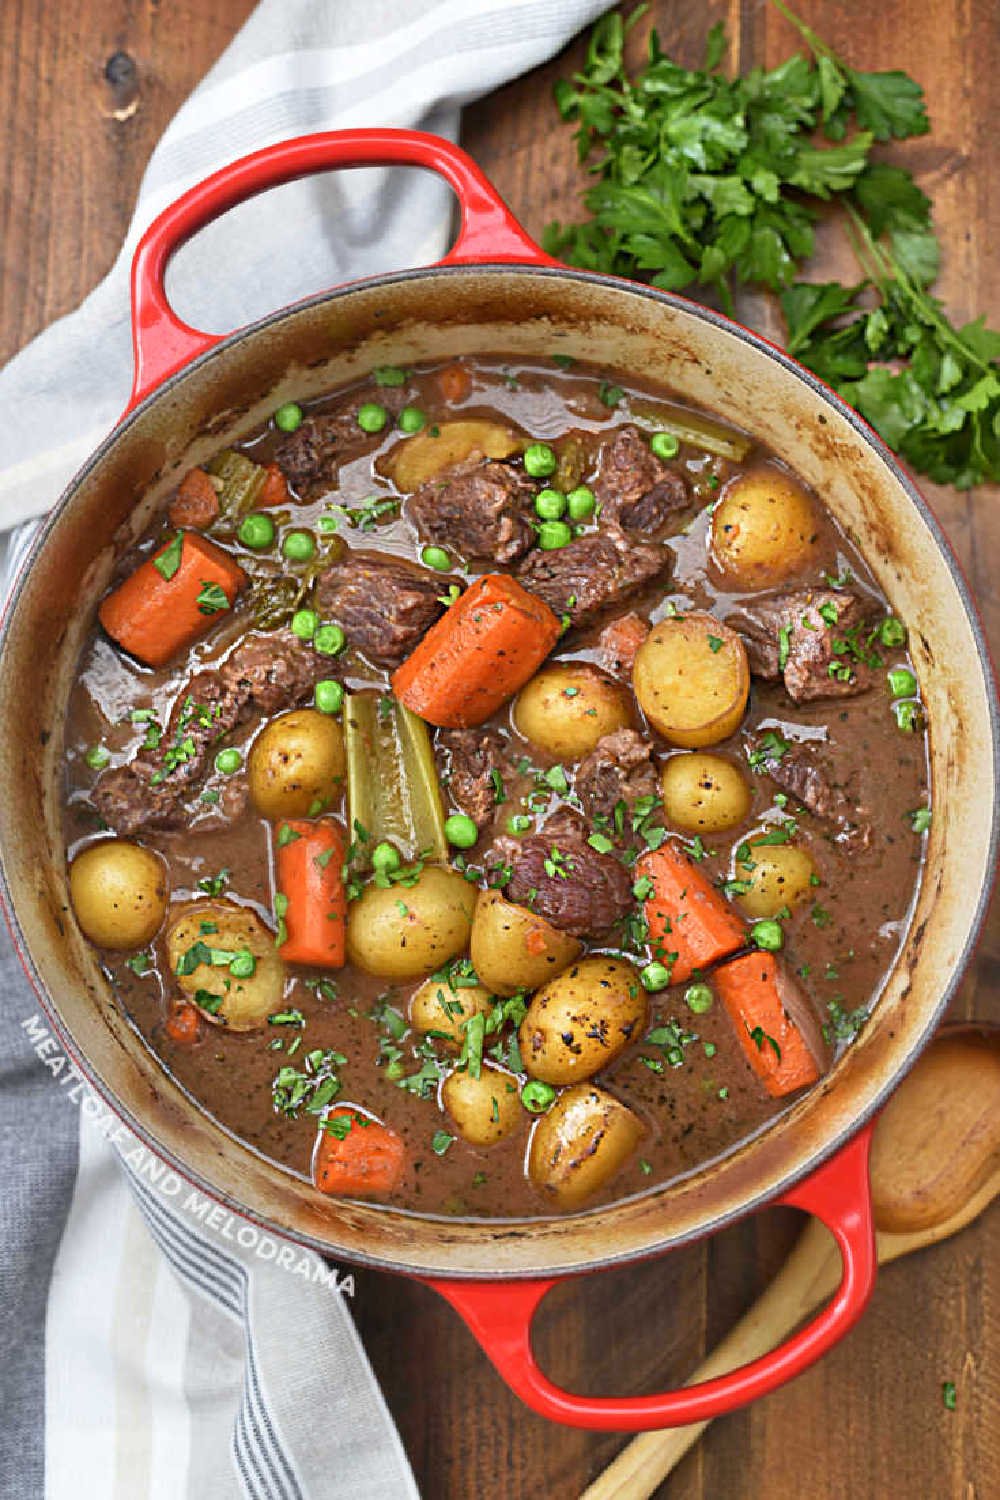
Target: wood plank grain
pixel 85 91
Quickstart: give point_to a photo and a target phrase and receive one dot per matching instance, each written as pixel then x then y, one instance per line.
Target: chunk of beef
pixel 619 769
pixel 635 489
pixel 196 503
pixel 807 772
pixel 480 509
pixel 592 573
pixel 824 636
pixel 264 672
pixel 560 877
pixel 311 455
pixel 472 758
pixel 619 643
pixel 384 605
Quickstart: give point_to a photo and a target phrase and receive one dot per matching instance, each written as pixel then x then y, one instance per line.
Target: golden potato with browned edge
pixel 119 892
pixel 414 460
pixel 567 707
pixel 223 956
pixel 484 1109
pixel 704 793
pixel 580 1021
pixel 782 875
pixel 443 1011
pixel 402 932
pixel 763 528
pixel 513 949
pixel 692 680
pixel 297 765
pixel 580 1143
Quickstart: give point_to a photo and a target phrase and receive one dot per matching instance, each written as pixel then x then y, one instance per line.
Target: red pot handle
pixel 162 343
pixel 499 1314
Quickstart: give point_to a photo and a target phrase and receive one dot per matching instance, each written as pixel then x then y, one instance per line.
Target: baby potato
pixel 416 459
pixel 512 949
pixel 581 1142
pixel 581 1020
pixel 119 893
pixel 436 1007
pixel 403 932
pixel 484 1109
pixel 763 528
pixel 245 999
pixel 297 761
pixel 781 876
pixel 567 707
pixel 692 680
pixel 704 793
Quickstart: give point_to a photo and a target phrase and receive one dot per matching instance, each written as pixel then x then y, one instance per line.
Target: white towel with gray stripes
pixel 152 1346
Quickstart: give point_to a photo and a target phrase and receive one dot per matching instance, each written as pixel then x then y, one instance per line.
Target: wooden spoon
pixel 935 1166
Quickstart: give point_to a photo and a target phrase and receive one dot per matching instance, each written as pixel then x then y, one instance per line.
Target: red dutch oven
pixel 496 292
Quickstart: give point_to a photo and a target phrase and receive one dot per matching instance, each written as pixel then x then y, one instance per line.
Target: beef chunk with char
pixel 619 770
pixel 472 760
pixel 310 457
pixel 263 672
pixel 807 772
pixel 557 875
pixel 635 489
pixel 478 509
pixel 384 605
pixel 821 641
pixel 592 573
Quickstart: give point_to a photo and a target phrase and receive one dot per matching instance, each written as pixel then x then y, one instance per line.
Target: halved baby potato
pixel 580 1143
pixel 763 528
pixel 513 949
pixel 567 707
pixel 297 765
pixel 436 1007
pixel 704 793
pixel 416 459
pixel 782 875
pixel 484 1109
pixel 223 956
pixel 580 1021
pixel 692 680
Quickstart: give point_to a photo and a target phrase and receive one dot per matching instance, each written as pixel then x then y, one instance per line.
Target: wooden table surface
pixel 85 91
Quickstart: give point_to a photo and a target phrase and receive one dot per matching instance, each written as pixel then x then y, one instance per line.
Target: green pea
pixel 329 696
pixel 553 534
pixel 664 445
pixel 288 417
pixel 518 823
pixel 389 375
pixel 411 419
pixel 539 460
pixel 581 502
pixel 244 965
pixel 655 976
pixel 461 831
pixel 299 546
pixel 395 1069
pixel 902 683
pixel 537 1097
pixel 768 935
pixel 437 558
pixel 550 504
pixel 892 632
pixel 329 640
pixel 304 622
pixel 227 762
pixel 97 757
pixel 909 716
pixel 698 998
pixel 385 859
pixel 372 417
pixel 256 531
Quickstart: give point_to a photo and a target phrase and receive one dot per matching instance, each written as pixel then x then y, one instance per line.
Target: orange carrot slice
pixel 359 1158
pixel 774 1022
pixel 172 598
pixel 309 863
pixel 690 925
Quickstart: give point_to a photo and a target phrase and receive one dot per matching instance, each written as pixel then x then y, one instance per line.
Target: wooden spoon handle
pixel 810 1275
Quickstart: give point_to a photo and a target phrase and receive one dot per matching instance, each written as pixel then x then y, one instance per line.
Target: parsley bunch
pixel 702 180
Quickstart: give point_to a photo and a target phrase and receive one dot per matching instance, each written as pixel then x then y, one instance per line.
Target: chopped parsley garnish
pixel 212 598
pixel 169 559
pixel 762 1038
pixel 214 885
pixel 440 1141
pixel 920 819
pixel 140 963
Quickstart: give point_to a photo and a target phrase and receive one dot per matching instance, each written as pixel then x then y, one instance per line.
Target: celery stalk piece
pixel 392 784
pixel 698 431
pixel 242 481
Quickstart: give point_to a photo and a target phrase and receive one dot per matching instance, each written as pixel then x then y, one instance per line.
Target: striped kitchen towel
pixel 153 1347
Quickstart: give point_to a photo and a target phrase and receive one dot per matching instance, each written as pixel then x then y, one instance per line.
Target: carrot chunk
pixel 359 1158
pixel 309 863
pixel 454 382
pixel 774 1022
pixel 619 641
pixel 478 654
pixel 274 490
pixel 690 925
pixel 172 598
pixel 196 502
pixel 183 1025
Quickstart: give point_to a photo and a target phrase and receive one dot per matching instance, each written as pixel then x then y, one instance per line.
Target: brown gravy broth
pixel 840 945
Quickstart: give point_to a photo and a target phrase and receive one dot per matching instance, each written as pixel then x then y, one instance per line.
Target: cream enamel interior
pixel 441 313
